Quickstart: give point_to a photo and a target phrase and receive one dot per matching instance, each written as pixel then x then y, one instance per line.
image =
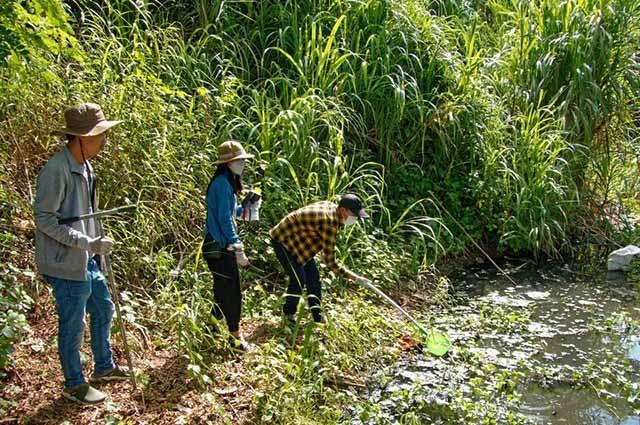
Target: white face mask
pixel 237 167
pixel 351 220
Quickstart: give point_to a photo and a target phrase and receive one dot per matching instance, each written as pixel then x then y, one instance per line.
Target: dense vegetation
pixel 519 118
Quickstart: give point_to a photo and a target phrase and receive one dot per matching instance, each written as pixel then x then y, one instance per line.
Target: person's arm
pixel 225 209
pixel 329 237
pixel 50 192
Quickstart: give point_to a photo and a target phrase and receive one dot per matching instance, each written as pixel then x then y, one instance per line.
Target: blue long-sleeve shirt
pixel 221 207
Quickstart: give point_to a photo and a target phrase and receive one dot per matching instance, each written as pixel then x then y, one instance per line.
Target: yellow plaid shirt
pixel 309 230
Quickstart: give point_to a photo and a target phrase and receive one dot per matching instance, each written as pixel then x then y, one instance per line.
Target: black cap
pixel 353 204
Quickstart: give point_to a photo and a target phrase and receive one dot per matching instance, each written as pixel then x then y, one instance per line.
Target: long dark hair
pixel 234 180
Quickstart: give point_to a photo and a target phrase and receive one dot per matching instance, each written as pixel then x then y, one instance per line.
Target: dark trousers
pixel 306 274
pixel 226 284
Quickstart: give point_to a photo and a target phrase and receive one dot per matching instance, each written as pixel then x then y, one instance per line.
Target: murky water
pixel 566 307
pixel 567 405
pixel 575 323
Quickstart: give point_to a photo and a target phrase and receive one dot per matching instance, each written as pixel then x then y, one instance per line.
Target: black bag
pixel 250 199
pixel 211 250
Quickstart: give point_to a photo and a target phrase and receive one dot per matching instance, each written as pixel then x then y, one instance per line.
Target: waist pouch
pixel 211 250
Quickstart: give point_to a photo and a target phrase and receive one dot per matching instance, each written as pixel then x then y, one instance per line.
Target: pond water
pixel 560 347
pixel 568 311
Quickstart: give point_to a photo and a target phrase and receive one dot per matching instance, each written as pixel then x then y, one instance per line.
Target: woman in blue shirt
pixel 222 248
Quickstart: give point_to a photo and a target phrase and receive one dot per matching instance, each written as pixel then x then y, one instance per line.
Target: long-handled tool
pixel 99 214
pixel 115 294
pixel 437 343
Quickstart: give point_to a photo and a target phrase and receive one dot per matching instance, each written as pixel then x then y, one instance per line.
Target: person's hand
pixel 238 250
pixel 361 280
pixel 241 258
pixel 101 245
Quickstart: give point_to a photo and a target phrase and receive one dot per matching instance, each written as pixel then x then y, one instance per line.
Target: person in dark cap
pixel 67 255
pixel 304 233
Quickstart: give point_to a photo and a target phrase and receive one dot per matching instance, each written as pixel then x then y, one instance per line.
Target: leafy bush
pixel 14 304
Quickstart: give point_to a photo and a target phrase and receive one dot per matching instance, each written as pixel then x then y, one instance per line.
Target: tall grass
pixel 517 134
pixel 311 86
pixel 520 116
pixel 577 56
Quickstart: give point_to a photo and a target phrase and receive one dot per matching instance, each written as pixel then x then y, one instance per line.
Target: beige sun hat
pixel 86 119
pixel 230 151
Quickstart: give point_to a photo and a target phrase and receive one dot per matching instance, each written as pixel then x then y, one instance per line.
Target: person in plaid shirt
pixel 304 233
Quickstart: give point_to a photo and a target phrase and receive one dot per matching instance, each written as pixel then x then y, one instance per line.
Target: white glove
pixel 238 246
pixel 362 280
pixel 101 245
pixel 242 259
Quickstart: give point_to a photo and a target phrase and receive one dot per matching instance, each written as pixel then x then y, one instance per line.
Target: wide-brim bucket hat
pixel 86 119
pixel 231 150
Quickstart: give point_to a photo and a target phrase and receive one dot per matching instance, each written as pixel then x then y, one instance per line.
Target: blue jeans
pixel 298 274
pixel 73 299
